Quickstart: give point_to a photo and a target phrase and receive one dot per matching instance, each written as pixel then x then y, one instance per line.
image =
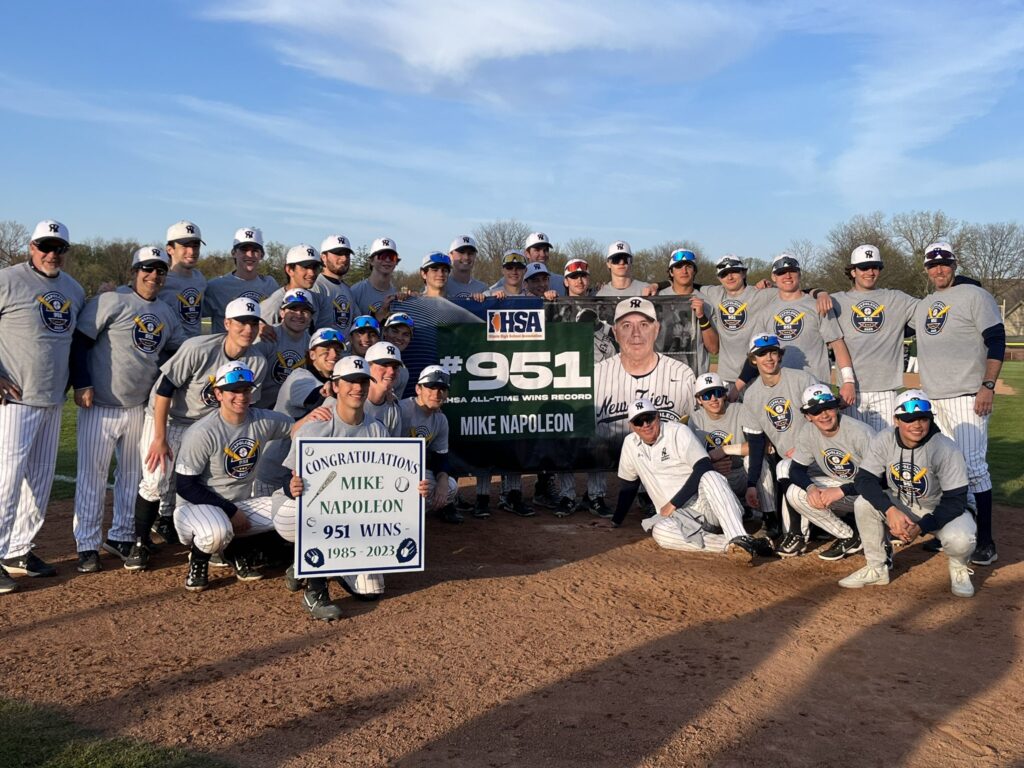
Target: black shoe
pixel 122 549
pixel 7 584
pixel 514 503
pixel 744 548
pixel 198 577
pixel 217 560
pixel 792 545
pixel 599 508
pixel 462 505
pixel 450 514
pixel 565 507
pixel 138 558
pixel 89 561
pixel 317 600
pixel 932 545
pixel 984 555
pixel 164 528
pixel 290 582
pixel 544 492
pixel 29 565
pixel 772 524
pixel 245 568
pixel 841 548
pixel 481 510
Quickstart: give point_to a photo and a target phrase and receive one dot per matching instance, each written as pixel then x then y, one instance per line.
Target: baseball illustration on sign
pixel 362 511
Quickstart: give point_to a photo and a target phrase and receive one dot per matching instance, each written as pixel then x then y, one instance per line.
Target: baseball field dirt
pixel 537 642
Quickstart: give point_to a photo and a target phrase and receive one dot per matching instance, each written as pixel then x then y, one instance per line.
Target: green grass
pixel 67 452
pixel 42 737
pixel 1006 439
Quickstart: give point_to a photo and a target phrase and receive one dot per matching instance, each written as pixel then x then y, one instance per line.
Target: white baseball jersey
pixel 663 467
pixel 669 385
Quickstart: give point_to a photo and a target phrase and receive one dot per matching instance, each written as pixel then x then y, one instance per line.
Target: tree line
pixel 992 253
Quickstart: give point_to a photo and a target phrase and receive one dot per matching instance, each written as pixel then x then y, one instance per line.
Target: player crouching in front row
pixel 693 501
pixel 215 471
pixel 915 479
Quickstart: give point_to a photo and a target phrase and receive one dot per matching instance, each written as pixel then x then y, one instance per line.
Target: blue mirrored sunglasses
pixel 365 322
pixel 916 405
pixel 399 318
pixel 682 256
pixel 328 337
pixel 238 376
pixel 710 393
pixel 822 397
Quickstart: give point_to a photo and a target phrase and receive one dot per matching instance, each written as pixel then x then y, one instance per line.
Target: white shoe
pixel 960 579
pixel 868 576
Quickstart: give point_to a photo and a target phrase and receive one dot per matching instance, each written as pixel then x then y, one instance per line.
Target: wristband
pixel 732 450
pixel 704 323
pixel 847 375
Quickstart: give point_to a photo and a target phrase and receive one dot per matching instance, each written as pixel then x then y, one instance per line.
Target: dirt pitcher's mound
pixel 539 642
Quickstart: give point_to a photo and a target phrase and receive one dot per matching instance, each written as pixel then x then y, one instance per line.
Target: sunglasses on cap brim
pixel 365 324
pixel 683 257
pixel 914 409
pixel 239 379
pixel 328 337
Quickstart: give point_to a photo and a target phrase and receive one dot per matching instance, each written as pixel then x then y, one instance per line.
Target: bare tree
pixel 994 254
pixel 496 237
pixel 901 272
pixel 913 232
pixel 651 264
pixel 586 248
pixel 13 242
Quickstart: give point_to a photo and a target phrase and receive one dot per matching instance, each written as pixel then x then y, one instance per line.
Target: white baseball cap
pixel 325 336
pixel 383 244
pixel 865 254
pixel 351 368
pixel 536 268
pixel 641 406
pixel 335 243
pixel 384 352
pixel 730 263
pixel 247 235
pixel 462 242
pixel 619 246
pixel 635 304
pixel 537 238
pixel 303 253
pixel 785 262
pixel 709 380
pixel 817 398
pixel 912 404
pixel 242 309
pixel 512 256
pixel 234 375
pixel 150 255
pixel 434 374
pixel 184 230
pixel 298 298
pixel 49 229
pixel 939 253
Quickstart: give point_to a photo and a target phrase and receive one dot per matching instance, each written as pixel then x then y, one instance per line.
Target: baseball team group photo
pixel 573 385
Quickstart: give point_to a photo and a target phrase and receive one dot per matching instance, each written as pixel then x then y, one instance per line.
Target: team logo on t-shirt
pixel 147 330
pixel 936 318
pixel 285 363
pixel 55 311
pixel 867 316
pixel 780 413
pixel 788 323
pixel 190 304
pixel 733 313
pixel 909 480
pixel 253 295
pixel 241 456
pixel 342 312
pixel 421 430
pixel 716 438
pixel 839 463
pixel 207 395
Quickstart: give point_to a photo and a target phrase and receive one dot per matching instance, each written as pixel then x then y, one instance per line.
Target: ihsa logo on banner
pixel 507 324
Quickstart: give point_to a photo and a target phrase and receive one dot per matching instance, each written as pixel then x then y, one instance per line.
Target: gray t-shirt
pixel 221 291
pixel 38 317
pixel 635 288
pixel 283 355
pixel 337 307
pixel 803 333
pixel 432 426
pixel 456 290
pixel 916 477
pixel 291 401
pixel 950 349
pixel 775 411
pixel 387 413
pixel 130 333
pixel 185 296
pixel 872 324
pixel 191 369
pixel 837 458
pixel 735 318
pixel 727 429
pixel 368 299
pixel 225 456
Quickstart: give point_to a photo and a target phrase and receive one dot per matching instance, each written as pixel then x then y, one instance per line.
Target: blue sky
pixel 741 126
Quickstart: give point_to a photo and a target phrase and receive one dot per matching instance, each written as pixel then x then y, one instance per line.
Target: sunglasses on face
pixel 577 275
pixel 149 268
pixel 514 265
pixel 435 386
pixel 712 393
pixel 620 259
pixel 387 256
pixel 644 419
pixel 58 247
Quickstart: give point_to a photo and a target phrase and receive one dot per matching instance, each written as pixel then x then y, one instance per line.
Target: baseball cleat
pixel 868 576
pixel 960 579
pixel 842 548
pixel 217 560
pixel 792 545
pixel 317 600
pixel 481 510
pixel 122 549
pixel 245 569
pixel 599 508
pixel 198 577
pixel 741 550
pixel 164 528
pixel 565 507
pixel 89 562
pixel 544 493
pixel 985 555
pixel 29 565
pixel 138 558
pixel 291 583
pixel 7 584
pixel 514 503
